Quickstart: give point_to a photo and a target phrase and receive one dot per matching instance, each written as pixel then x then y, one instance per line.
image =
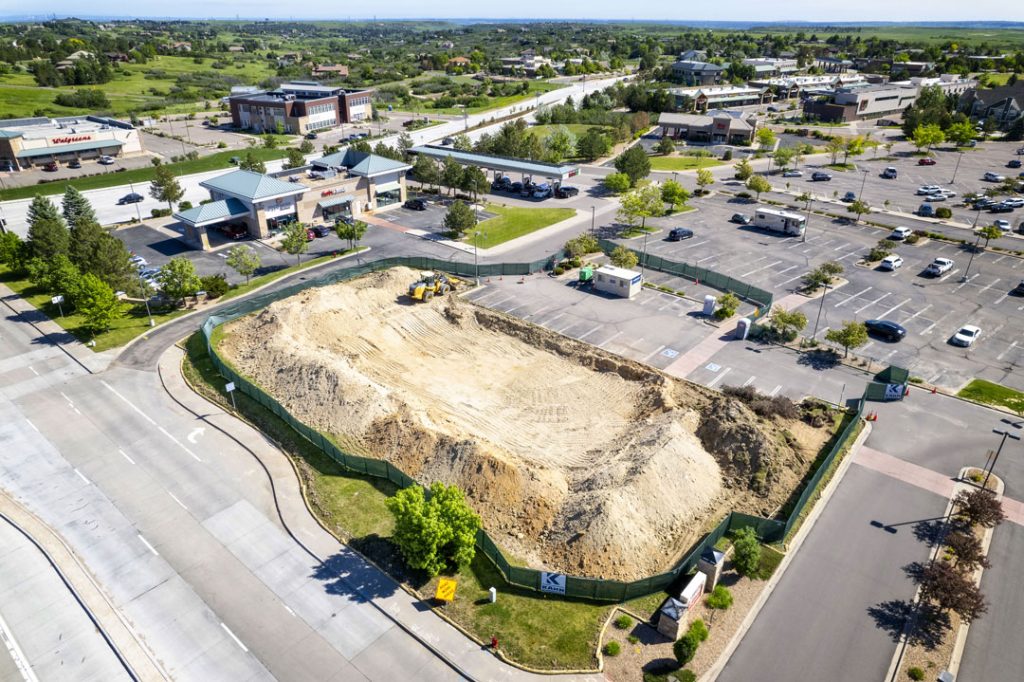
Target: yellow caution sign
pixel 445 589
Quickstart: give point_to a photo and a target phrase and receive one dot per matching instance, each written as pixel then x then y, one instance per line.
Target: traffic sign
pixel 230 386
pixel 445 589
pixel 57 299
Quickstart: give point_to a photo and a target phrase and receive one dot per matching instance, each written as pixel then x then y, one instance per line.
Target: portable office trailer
pixel 617 281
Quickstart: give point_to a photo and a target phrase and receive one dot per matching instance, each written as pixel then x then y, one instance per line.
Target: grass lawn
pixel 989 393
pixel 138 175
pixel 133 321
pixel 513 221
pixel 498 102
pixel 682 163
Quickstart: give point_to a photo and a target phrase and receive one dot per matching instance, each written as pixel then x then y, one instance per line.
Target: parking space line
pixel 989 286
pixel 719 377
pixel 1000 299
pixel 546 323
pixel 964 283
pixel 536 312
pixel 840 248
pixel 868 305
pixel 893 309
pixel 596 327
pixel 782 272
pixel 708 258
pixel 1010 348
pixel 763 267
pixel 917 313
pixel 782 284
pixel 656 351
pixel 749 381
pixel 608 340
pixel 852 253
pixel 514 308
pixel 943 279
pixel 853 296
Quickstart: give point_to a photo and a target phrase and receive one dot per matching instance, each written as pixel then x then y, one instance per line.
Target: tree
pixel 462 143
pixel 164 187
pixel 622 257
pixel 859 207
pixel 705 179
pixel 244 260
pixel 474 181
pixel 425 170
pixel 616 183
pixel 720 598
pixel 295 240
pixel 1015 132
pixel 665 146
pixel 459 219
pixel 40 209
pixel 404 144
pixel 674 194
pixel 76 207
pixel 928 136
pixel 960 133
pixel 853 146
pixel 251 162
pixel 765 138
pixel 988 233
pixel 743 170
pixel 95 302
pixel 581 245
pixel 851 335
pixel 592 144
pixel 979 507
pixel 306 147
pixel 784 156
pixel 451 173
pixel 787 323
pixel 434 533
pixel 950 590
pixel 728 303
pixel 559 145
pixel 968 554
pixel 635 163
pixel 351 231
pixel 178 279
pixel 641 203
pixel 12 250
pixel 48 238
pixel 295 159
pixel 833 147
pixel 747 552
pixel 60 276
pixel 758 184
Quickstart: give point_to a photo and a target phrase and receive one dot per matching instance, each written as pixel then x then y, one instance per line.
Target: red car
pixel 236 231
pixel 50 167
pixel 926 162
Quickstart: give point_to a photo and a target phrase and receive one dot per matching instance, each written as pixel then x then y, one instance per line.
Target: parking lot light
pixel 863 182
pixel 476 262
pixel 1005 434
pixel 957 167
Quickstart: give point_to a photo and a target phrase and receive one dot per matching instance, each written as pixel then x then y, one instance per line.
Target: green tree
pixel 833 147
pixel 674 194
pixel 720 598
pixel 434 533
pixel 593 144
pixel 351 232
pixel 165 187
pixel 474 181
pixel 404 144
pixel 1015 132
pixel 666 146
pixel 743 170
pixel 295 159
pixel 463 143
pixel 48 238
pixel 786 324
pixel 850 335
pixel 12 250
pixel 641 203
pixel 854 147
pixel 635 163
pixel 928 136
pixel 705 179
pixel 178 279
pixel 76 207
pixel 425 170
pixel 765 138
pixel 41 209
pixel 859 207
pixel 758 184
pixel 97 252
pixel 623 258
pixel 306 147
pixel 784 156
pixel 251 162
pixel 451 173
pixel 581 245
pixel 728 303
pixel 746 552
pixel 244 260
pixel 95 302
pixel 616 183
pixel 559 145
pixel 960 133
pixel 295 240
pixel 988 233
pixel 459 219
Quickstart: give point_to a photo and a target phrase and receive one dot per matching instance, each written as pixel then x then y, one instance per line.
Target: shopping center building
pixel 299 108
pixel 30 142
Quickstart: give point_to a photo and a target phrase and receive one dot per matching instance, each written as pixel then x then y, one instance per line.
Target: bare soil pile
pixel 576 459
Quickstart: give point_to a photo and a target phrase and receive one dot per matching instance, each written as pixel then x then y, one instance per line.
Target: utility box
pixel 672 618
pixel 742 328
pixel 617 281
pixel 694 589
pixel 711 563
pixel 709 305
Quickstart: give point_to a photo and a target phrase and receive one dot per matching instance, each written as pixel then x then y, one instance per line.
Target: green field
pixel 991 393
pixel 498 102
pixel 682 163
pixel 138 175
pixel 512 222
pixel 577 129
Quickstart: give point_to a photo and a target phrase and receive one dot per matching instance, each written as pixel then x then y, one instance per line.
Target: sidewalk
pixel 445 641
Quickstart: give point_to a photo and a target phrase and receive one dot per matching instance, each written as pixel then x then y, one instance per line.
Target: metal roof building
pixel 504 164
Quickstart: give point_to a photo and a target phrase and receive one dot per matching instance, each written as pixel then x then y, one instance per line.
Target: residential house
pixel 180 46
pixel 236 48
pixel 1005 103
pixel 330 71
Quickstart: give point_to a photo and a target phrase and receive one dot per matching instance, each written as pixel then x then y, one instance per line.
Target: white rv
pixel 783 222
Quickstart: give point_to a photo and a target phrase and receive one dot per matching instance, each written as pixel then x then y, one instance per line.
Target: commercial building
pixel 770 67
pixel 715 97
pixel 697 73
pixel 341 185
pixel 1005 104
pixel 794 86
pixel 527 63
pixel 715 127
pixel 860 102
pixel 500 165
pixel 28 142
pixel 299 108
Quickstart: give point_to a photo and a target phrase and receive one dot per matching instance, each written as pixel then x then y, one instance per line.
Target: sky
pixel 720 10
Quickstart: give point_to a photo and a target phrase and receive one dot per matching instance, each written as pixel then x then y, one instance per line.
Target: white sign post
pixel 230 388
pixel 57 300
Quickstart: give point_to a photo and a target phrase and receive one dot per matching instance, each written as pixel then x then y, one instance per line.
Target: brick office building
pixel 299 108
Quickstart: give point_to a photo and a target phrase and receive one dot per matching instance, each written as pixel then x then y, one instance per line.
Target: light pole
pixel 864 180
pixel 810 199
pixel 820 307
pixel 131 188
pixel 643 260
pixel 977 241
pixel 1005 434
pixel 145 296
pixel 593 217
pixel 957 167
pixel 476 262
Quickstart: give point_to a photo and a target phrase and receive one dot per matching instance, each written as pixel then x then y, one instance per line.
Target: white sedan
pixel 1003 225
pixel 967 335
pixel 793 174
pixel 928 189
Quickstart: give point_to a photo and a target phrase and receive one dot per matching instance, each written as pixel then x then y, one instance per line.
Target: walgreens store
pixel 29 142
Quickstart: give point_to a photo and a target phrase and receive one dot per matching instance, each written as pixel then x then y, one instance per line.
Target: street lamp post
pixel 975 249
pixel 643 260
pixel 145 296
pixel 1005 434
pixel 476 262
pixel 131 188
pixel 864 180
pixel 593 217
pixel 821 305
pixel 807 221
pixel 957 167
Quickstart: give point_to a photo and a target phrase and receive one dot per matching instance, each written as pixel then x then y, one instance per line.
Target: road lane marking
pixel 180 503
pixel 286 608
pixel 125 455
pixel 70 401
pixel 237 641
pixel 32 425
pixel 719 377
pixel 82 476
pixel 845 301
pixel 33 370
pixel 151 548
pixel 179 443
pixel 128 402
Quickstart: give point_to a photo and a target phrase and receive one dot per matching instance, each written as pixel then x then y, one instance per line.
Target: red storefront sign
pixel 71 139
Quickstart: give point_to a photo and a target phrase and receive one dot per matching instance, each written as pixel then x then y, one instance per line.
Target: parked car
pixel 938 196
pixel 885 329
pixel 890 173
pixel 1001 207
pixel 1003 225
pixel 926 161
pixel 321 230
pixel 793 174
pixel 416 205
pixel 679 233
pixel 235 231
pixel 850 197
pixel 1019 289
pixel 50 167
pixel 501 184
pixel 891 262
pixel 448 141
pixel 949 193
pixel 311 135
pixel 925 190
pixel 966 336
pixel 900 233
pixel 939 266
pixel 926 211
pixel 565 191
pixel 984 202
pixel 515 187
pixel 993 177
pixel 74 163
pixel 132 198
pixel 819 176
pixel 138 261
pixel 1015 202
pixel 106 160
pixel 1014 163
pixel 149 273
pixel 740 219
pixel 542 191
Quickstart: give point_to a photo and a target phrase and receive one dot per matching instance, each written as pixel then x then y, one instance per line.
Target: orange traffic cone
pixel 934 390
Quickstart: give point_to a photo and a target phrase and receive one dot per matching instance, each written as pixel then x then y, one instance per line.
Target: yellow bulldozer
pixel 432 284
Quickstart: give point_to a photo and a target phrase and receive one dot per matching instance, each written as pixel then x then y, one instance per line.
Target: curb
pixel 712 674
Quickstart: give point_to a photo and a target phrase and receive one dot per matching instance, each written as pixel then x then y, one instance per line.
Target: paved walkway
pixel 700 354
pixel 402 608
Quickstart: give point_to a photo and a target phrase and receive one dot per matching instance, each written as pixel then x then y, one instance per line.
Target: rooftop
pixel 41 127
pixel 251 185
pixel 500 163
pixel 214 211
pixel 361 163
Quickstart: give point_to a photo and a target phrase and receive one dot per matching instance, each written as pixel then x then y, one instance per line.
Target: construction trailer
pixel 618 281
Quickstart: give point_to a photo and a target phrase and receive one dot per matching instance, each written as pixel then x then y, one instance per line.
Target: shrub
pixel 943 213
pixel 685 648
pixel 215 286
pixel 747 558
pixel 559 270
pixel 720 598
pixel 222 145
pixel 160 212
pixel 744 195
pixel 727 156
pixel 623 622
pixel 915 673
pixel 632 639
pixel 184 205
pixel 913 238
pixel 699 629
pixel 727 305
pixel 876 254
pixel 612 649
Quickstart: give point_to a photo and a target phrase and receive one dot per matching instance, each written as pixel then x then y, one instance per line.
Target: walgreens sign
pixel 70 139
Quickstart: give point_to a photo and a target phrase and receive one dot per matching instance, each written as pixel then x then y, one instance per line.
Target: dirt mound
pixel 576 459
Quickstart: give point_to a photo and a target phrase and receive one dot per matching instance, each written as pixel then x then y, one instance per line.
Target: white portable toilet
pixel 742 328
pixel 709 305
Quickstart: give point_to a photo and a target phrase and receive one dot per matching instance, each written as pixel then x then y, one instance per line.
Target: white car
pixel 994 177
pixel 928 189
pixel 967 335
pixel 900 233
pixel 138 261
pixel 1014 202
pixel 937 196
pixel 106 160
pixel 1003 225
pixel 939 266
pixel 793 174
pixel 890 262
pixel 948 192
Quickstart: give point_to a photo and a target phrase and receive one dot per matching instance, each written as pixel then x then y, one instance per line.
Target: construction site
pixel 577 460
